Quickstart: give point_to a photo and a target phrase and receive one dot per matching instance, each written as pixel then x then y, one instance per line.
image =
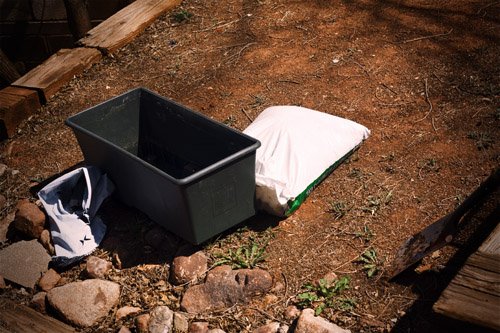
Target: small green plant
pixel 483 140
pixel 355 173
pixel 370 262
pixel 246 256
pixel 230 121
pixel 326 294
pixel 182 15
pixel 339 209
pixel 365 234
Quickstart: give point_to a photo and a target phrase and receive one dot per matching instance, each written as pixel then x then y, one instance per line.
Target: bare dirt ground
pixel 422 75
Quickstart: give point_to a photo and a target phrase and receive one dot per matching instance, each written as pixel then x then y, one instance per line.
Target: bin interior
pixel 170 137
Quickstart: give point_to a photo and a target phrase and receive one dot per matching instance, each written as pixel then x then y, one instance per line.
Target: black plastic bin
pixel 189 173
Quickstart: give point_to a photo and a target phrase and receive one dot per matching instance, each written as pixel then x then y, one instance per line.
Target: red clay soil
pixel 423 76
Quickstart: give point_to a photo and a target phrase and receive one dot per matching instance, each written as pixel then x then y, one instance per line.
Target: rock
pixel 124 329
pixel 216 330
pixel 198 327
pixel 3 285
pixel 38 302
pixel 329 278
pixel 127 311
pixel 291 313
pixel 4 226
pixel 188 266
pixel 225 287
pixel 181 323
pixel 24 262
pixel 155 237
pixel 46 241
pixel 268 328
pixel 83 303
pixel 3 168
pixel 97 268
pixel 49 280
pixel 29 219
pixel 309 323
pixel 161 320
pixel 3 202
pixel 142 323
pixel 283 329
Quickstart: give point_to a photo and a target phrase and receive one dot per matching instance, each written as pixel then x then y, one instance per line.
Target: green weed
pixel 483 140
pixel 370 262
pixel 250 255
pixel 326 294
pixel 181 16
pixel 365 234
pixel 339 209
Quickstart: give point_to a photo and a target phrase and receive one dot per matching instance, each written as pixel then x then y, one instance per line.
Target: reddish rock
pixel 49 280
pixel 46 240
pixel 142 323
pixel 309 323
pixel 291 313
pixel 97 268
pixel 29 219
pixel 225 287
pixel 268 328
pixel 126 311
pixel 39 302
pixel 188 266
pixel 198 327
pixel 216 330
pixel 124 329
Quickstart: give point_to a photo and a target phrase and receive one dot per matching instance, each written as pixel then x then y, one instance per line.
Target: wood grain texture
pixel 58 70
pixel 126 24
pixel 15 318
pixel 16 104
pixel 474 294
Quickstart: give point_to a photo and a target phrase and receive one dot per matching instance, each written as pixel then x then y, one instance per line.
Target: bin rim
pixel 179 181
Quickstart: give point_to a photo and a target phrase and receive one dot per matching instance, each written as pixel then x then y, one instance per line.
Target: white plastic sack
pixel 300 147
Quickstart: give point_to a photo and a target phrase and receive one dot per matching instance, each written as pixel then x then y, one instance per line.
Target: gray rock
pixel 24 262
pixel 142 323
pixel 3 168
pixel 225 287
pixel 126 311
pixel 268 328
pixel 29 219
pixel 83 303
pixel 97 268
pixel 307 322
pixel 161 320
pixel 198 327
pixel 49 280
pixel 181 323
pixel 188 266
pixel 38 302
pixel 46 241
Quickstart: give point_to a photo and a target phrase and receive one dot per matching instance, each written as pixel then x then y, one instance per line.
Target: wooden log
pixel 16 104
pixel 16 318
pixel 126 24
pixel 7 70
pixel 78 17
pixel 58 70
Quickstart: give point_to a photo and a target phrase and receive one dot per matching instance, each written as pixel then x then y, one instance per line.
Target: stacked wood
pixel 16 104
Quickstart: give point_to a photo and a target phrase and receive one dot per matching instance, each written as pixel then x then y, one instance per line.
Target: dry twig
pixel 426 37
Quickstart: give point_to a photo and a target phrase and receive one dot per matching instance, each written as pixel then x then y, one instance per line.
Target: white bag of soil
pixel 300 147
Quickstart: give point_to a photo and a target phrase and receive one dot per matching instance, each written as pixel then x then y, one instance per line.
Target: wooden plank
pixel 492 243
pixel 126 24
pixel 474 293
pixel 16 318
pixel 58 70
pixel 16 104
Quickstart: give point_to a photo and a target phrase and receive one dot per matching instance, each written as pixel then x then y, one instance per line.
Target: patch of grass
pixel 375 202
pixel 326 294
pixel 483 140
pixel 181 16
pixel 339 209
pixel 365 234
pixel 250 255
pixel 370 262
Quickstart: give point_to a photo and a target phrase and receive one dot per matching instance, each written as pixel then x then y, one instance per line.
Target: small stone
pixel 24 262
pixel 126 311
pixel 124 329
pixel 142 323
pixel 15 172
pixel 283 329
pixel 329 279
pixel 307 322
pixel 97 268
pixel 198 327
pixel 38 302
pixel 291 312
pixel 161 320
pixel 268 328
pixel 3 168
pixel 3 201
pixel 216 330
pixel 29 219
pixel 46 241
pixel 188 266
pixel 278 287
pixel 3 285
pixel 181 323
pixel 83 303
pixel 49 280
